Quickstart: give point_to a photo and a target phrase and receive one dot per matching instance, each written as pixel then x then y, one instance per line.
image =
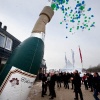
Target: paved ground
pixel 61 93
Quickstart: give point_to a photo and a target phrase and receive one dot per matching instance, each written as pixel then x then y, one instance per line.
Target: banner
pixel 73 60
pixel 65 59
pixel 80 54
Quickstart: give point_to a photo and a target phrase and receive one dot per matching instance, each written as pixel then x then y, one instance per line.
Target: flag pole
pixel 81 57
pixel 82 66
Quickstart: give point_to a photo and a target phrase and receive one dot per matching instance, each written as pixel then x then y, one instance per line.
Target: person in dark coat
pixel 44 85
pixel 84 78
pixel 72 81
pixel 77 84
pixel 52 86
pixel 96 85
pixel 58 79
pixel 90 82
pixel 66 79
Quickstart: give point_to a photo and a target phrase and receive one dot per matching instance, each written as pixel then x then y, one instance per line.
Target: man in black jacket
pixel 58 79
pixel 77 84
pixel 90 81
pixel 72 75
pixel 96 85
pixel 44 85
pixel 52 85
pixel 66 80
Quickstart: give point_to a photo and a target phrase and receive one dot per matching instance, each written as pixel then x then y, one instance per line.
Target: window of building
pixel 2 40
pixel 8 45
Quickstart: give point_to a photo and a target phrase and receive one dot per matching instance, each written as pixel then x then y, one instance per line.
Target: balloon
pixel 79 4
pixel 77 27
pixel 92 15
pixel 82 7
pixel 93 22
pixel 60 22
pixel 83 2
pixel 53 6
pixel 89 9
pixel 74 17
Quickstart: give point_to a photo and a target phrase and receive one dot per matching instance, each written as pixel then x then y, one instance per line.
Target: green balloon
pixel 81 7
pixel 58 1
pixel 60 22
pixel 65 9
pixel 78 2
pixel 89 17
pixel 79 21
pixel 76 14
pixel 93 22
pixel 66 2
pixel 63 1
pixel 86 25
pixel 70 29
pixel 53 6
pixel 77 27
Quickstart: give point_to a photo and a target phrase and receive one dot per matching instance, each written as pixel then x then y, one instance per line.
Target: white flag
pixel 65 59
pixel 73 60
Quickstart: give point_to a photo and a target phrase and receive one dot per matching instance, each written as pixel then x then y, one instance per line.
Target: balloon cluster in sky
pixel 77 16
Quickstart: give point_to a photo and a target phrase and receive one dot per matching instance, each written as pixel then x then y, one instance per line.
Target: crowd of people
pixel 49 80
pixel 92 82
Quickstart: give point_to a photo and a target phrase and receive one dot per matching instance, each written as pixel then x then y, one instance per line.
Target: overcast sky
pixel 20 16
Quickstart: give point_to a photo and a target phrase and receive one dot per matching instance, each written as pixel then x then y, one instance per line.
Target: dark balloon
pixel 89 9
pixel 83 2
pixel 92 15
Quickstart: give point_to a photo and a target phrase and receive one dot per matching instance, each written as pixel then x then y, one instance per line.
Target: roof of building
pixel 4 53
